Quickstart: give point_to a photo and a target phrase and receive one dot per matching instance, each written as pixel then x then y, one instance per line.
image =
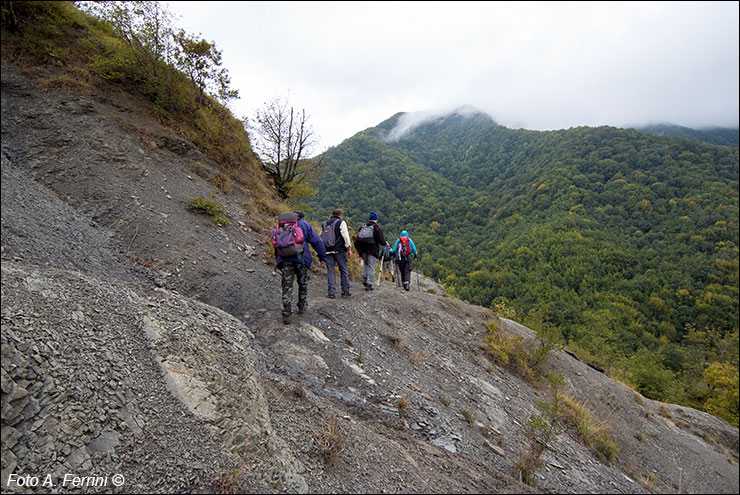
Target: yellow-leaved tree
pixel 723 379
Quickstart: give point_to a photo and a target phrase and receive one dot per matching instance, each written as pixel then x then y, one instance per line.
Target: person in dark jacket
pixel 296 267
pixel 369 250
pixel 338 254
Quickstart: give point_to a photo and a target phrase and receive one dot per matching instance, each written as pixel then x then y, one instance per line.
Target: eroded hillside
pixel 140 338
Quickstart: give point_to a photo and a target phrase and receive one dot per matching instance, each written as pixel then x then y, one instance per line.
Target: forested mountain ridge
pixel 623 242
pixel 716 135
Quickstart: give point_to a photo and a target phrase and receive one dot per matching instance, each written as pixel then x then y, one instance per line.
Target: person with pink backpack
pixel 291 239
pixel 404 250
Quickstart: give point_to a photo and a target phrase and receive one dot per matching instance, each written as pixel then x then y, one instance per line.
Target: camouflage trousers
pixel 294 270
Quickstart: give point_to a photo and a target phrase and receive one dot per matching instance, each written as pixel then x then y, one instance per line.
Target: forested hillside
pixel 717 135
pixel 623 243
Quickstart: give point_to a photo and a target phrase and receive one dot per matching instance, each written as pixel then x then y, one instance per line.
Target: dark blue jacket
pixel 309 237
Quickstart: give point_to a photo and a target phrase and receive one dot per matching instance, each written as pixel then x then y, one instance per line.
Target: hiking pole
pixel 380 273
pixel 418 284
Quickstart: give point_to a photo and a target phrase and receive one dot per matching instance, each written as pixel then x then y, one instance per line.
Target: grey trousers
pixel 368 269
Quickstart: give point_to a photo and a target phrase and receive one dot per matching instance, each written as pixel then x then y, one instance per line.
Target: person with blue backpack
pixel 291 239
pixel 335 235
pixel 404 250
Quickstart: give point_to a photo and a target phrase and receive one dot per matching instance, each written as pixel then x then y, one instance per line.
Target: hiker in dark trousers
pixel 338 254
pixel 403 251
pixel 367 242
pixel 296 267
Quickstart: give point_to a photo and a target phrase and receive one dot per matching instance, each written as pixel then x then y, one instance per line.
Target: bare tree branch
pixel 282 137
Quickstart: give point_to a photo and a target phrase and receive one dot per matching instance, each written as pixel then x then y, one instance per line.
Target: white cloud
pixel 539 65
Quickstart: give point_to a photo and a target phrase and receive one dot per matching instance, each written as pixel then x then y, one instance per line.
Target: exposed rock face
pixel 140 339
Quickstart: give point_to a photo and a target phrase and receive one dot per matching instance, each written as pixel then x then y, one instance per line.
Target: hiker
pixel 388 266
pixel 295 262
pixel 403 250
pixel 367 240
pixel 335 235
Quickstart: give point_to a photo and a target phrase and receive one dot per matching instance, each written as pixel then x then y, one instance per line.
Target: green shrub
pixel 209 207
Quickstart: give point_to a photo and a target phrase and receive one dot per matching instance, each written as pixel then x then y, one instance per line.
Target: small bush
pixel 541 430
pixel 521 355
pixel 210 207
pixel 329 440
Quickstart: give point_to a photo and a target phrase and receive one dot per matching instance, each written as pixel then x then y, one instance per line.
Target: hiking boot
pixel 301 311
pixel 346 294
pixel 286 320
pixel 331 296
pixel 370 287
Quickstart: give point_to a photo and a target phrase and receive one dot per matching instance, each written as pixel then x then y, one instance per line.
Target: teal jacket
pixel 398 243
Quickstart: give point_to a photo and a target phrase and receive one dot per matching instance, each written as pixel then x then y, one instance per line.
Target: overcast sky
pixel 536 65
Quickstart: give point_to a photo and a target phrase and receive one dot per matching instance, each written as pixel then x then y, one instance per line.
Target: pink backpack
pixel 287 237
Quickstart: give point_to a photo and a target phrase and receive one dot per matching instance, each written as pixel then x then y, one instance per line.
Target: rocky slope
pixel 140 339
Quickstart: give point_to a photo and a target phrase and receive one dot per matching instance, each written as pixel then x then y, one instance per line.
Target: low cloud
pixel 410 120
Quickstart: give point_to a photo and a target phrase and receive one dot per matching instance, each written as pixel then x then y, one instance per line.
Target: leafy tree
pixel 723 401
pixel 284 139
pixel 201 61
pixel 146 27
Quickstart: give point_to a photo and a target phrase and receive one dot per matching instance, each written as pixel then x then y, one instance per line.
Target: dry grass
pixel 468 415
pixel 228 483
pixel 398 339
pixel 417 358
pixel 594 432
pixel 649 481
pixel 329 440
pixel 403 404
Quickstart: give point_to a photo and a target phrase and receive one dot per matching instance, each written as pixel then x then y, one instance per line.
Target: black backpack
pixel 387 256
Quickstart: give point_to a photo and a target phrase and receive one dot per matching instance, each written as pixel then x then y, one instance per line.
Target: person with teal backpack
pixel 404 250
